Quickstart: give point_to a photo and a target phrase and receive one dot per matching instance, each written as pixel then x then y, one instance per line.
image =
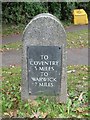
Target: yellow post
pixel 80 16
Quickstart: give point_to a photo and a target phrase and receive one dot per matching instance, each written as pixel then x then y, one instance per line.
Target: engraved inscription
pixel 44 69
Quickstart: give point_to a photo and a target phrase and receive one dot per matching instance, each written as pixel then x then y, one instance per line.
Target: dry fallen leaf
pixel 33 103
pixel 72 42
pixel 1 50
pixel 84 78
pixel 13 113
pixel 71 71
pixel 35 114
pixel 12 66
pixel 81 96
pixel 82 45
pixel 80 110
pixel 7 48
pixel 6 114
pixel 2 78
pixel 44 114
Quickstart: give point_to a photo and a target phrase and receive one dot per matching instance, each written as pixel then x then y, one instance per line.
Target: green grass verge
pixel 16 29
pixel 12 29
pixel 77 39
pixel 10 46
pixel 76 106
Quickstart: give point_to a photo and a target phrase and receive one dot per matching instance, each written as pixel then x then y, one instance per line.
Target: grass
pixel 42 107
pixel 77 39
pixel 12 29
pixel 10 46
pixel 16 29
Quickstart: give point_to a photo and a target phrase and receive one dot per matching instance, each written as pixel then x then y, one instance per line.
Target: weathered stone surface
pixel 44 30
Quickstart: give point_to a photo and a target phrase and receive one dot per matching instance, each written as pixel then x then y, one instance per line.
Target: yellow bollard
pixel 80 17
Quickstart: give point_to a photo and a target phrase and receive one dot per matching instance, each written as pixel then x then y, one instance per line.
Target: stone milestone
pixel 44 58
